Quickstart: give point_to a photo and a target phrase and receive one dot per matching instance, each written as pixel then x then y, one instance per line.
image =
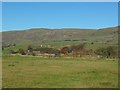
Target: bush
pixel 92 42
pixel 33 54
pixel 48 50
pixel 30 49
pixel 22 52
pixel 13 52
pixel 108 52
pixel 66 50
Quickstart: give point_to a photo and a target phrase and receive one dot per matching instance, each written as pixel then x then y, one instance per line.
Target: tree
pixel 30 49
pixel 108 52
pixel 78 49
pixel 2 48
pixel 22 52
pixel 92 42
pixel 48 50
pixel 14 44
pixel 66 50
pixel 13 52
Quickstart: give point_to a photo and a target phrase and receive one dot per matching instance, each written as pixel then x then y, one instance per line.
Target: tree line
pixel 73 50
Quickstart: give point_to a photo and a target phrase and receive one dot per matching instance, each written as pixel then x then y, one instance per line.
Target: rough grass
pixel 35 72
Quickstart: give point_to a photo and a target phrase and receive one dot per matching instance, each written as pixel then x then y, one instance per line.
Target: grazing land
pixel 36 72
pixel 60 58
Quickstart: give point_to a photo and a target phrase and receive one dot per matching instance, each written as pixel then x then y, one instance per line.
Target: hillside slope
pixel 41 34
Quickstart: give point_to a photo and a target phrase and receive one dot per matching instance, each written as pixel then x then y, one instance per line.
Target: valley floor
pixel 36 72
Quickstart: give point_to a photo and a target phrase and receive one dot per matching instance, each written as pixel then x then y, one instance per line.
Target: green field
pixel 36 72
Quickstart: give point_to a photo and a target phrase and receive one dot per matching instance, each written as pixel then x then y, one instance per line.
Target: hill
pixel 65 34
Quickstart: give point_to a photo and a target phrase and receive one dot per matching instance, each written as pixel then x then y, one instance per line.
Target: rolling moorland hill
pixel 65 34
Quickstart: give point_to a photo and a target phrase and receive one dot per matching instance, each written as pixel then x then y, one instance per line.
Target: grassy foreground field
pixel 36 72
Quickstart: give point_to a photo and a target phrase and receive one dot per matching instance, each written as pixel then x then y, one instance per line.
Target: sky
pixel 60 0
pixel 88 15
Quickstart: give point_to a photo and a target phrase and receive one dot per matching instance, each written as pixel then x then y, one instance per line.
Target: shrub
pixel 92 42
pixel 106 52
pixel 13 52
pixel 48 50
pixel 30 49
pixel 66 50
pixel 22 52
pixel 33 54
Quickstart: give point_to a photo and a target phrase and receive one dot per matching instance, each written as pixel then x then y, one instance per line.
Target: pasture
pixel 36 72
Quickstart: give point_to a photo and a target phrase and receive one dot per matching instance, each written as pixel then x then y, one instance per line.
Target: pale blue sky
pixel 26 15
